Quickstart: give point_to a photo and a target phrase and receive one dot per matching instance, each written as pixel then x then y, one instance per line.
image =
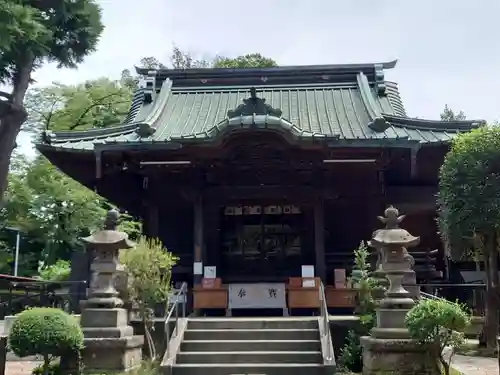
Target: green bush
pixel 47 332
pixel 59 271
pixel 351 353
pixel 54 369
pixel 437 324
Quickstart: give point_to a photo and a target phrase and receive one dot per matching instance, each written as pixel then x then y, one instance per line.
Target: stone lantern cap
pixel 109 235
pixel 392 234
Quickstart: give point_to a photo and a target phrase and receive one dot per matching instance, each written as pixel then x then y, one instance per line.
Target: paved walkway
pixel 472 365
pixel 20 368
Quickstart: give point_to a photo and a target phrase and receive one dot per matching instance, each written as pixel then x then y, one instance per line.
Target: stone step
pixel 254 334
pixel 249 323
pixel 249 369
pixel 250 357
pixel 250 345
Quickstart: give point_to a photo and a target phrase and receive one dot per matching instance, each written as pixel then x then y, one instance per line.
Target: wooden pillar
pixel 152 224
pixel 198 237
pixel 319 239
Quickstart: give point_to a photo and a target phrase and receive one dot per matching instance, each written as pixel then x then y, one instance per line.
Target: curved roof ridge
pixel 159 103
pixel 135 106
pixel 184 73
pixel 434 125
pixel 377 121
pixel 395 100
pixel 254 121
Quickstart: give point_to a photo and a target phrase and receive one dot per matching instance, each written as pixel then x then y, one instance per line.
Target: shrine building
pixel 258 172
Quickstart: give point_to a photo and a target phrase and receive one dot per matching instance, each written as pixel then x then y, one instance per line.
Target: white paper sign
pixel 307 271
pixel 309 283
pixel 198 268
pixel 209 272
pixel 257 296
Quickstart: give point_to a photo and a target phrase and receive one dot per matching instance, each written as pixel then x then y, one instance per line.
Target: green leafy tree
pixel 149 267
pixel 449 115
pixel 469 213
pixel 252 60
pixel 180 59
pixel 93 104
pixel 59 271
pixel 438 325
pixel 53 212
pixel 184 60
pixel 32 33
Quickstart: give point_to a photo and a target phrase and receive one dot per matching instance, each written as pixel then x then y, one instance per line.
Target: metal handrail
pixel 182 292
pixel 326 323
pixel 424 295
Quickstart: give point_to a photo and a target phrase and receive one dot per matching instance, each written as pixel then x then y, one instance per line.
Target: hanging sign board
pixel 339 275
pixel 257 296
pixel 198 268
pixel 209 272
pixel 307 271
pixel 308 275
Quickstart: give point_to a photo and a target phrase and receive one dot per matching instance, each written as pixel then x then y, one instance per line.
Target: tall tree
pixel 469 214
pixel 52 211
pixel 180 59
pixel 93 104
pixel 184 60
pixel 33 32
pixel 449 115
pixel 252 60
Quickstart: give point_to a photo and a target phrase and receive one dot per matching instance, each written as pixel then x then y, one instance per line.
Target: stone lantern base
pixel 110 344
pixel 395 357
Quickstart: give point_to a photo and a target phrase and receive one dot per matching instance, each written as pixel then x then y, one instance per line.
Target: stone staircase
pixel 271 346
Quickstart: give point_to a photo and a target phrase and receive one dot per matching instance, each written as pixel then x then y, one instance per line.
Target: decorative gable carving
pixel 254 106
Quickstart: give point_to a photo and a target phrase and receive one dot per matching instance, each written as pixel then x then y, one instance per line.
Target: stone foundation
pixel 110 344
pixel 395 357
pixel 102 355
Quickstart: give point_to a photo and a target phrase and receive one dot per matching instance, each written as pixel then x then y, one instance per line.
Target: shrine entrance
pixel 262 243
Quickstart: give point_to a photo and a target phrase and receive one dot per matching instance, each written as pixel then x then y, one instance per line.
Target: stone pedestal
pixel 390 350
pixel 110 344
pixel 395 357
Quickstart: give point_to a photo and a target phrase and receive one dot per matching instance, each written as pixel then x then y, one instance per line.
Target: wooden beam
pixel 152 223
pixel 319 239
pixel 198 237
pixel 297 193
pixel 412 199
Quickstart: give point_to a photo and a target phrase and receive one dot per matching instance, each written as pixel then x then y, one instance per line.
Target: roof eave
pixel 434 125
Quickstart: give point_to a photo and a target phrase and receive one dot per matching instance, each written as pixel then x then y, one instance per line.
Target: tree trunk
pixel 12 116
pixel 46 364
pixel 492 313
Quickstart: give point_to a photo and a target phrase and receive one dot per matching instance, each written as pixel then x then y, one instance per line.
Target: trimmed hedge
pixel 45 331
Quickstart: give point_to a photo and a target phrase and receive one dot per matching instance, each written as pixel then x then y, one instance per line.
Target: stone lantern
pixel 390 348
pixel 110 344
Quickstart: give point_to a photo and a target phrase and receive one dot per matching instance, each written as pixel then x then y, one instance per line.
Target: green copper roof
pixel 340 104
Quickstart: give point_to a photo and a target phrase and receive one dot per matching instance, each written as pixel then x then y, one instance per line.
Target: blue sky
pixel 448 50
